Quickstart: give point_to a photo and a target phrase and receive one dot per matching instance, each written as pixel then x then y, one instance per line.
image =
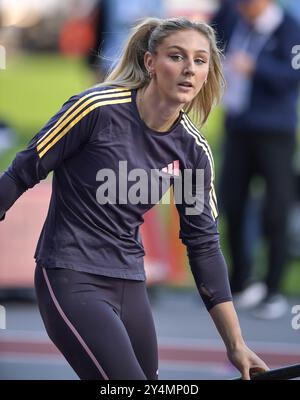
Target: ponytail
pixel 130 72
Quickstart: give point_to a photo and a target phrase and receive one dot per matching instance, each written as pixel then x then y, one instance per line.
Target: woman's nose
pixel 189 68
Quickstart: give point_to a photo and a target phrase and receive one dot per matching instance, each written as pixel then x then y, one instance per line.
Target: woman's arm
pixel 9 193
pixel 58 140
pixel 227 323
pixel 199 232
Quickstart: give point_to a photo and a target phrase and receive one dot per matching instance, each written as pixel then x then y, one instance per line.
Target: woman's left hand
pixel 246 361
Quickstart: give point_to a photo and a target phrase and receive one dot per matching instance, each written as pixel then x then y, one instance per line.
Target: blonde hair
pixel 130 71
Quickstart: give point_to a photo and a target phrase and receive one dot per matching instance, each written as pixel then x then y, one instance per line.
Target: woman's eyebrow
pixel 182 49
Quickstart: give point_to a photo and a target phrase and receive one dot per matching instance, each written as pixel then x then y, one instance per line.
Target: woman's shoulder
pixel 192 132
pixel 94 98
pixel 105 91
pixel 198 144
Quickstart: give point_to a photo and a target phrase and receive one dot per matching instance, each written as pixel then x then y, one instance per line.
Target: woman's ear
pixel 149 63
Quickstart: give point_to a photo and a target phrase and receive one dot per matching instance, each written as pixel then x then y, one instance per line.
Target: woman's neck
pixel 155 111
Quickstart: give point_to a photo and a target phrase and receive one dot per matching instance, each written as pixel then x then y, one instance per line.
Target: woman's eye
pixel 199 61
pixel 176 57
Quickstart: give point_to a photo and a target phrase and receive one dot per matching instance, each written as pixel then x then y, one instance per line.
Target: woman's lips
pixel 185 87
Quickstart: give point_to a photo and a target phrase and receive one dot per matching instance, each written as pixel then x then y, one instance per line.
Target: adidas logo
pixel 172 168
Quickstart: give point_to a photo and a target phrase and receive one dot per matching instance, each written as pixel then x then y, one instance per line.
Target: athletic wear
pixel 93 132
pixel 103 326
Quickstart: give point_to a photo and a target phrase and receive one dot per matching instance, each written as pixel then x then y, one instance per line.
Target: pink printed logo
pixel 172 168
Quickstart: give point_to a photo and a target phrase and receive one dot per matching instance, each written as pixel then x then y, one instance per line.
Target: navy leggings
pixel 103 326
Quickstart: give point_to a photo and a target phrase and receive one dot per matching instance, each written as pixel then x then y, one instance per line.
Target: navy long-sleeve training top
pixel 99 148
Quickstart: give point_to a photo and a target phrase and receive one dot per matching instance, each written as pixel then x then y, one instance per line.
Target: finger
pixel 258 368
pixel 261 365
pixel 265 366
pixel 256 371
pixel 246 374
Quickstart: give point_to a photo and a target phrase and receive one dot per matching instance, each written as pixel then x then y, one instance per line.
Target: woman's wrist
pixel 235 343
pixel 227 323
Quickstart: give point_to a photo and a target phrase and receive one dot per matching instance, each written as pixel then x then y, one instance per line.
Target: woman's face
pixel 180 65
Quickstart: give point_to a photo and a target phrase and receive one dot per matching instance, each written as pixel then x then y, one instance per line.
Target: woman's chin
pixel 184 98
pixel 181 98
